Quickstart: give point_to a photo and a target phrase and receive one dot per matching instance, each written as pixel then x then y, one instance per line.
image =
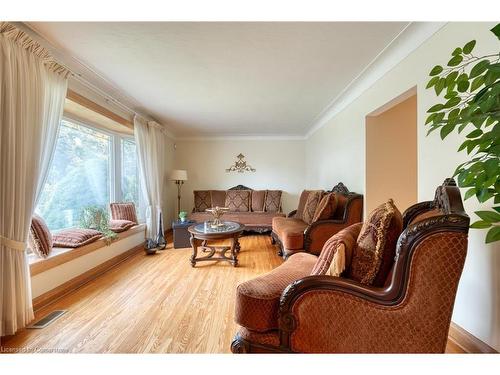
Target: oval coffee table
pixel 202 233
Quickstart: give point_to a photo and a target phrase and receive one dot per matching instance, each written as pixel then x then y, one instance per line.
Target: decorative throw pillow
pixel 218 198
pixel 118 226
pixel 258 200
pixel 238 200
pixel 312 202
pixel 202 200
pixel 40 238
pixel 374 252
pixel 302 204
pixel 123 211
pixel 273 201
pixel 326 207
pixel 336 254
pixel 75 237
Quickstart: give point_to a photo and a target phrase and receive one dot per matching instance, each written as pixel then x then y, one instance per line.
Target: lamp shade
pixel 179 175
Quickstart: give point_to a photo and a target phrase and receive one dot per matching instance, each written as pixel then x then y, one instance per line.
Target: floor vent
pixel 48 319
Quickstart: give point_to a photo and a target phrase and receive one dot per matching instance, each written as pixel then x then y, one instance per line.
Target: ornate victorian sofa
pixel 288 311
pixel 294 234
pixel 253 208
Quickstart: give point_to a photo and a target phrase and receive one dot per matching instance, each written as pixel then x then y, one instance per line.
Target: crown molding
pixel 244 137
pixel 408 40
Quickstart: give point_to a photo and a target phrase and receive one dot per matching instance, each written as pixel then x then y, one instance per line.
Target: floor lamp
pixel 178 176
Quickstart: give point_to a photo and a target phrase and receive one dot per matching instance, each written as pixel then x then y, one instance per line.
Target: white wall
pixel 337 152
pixel 279 165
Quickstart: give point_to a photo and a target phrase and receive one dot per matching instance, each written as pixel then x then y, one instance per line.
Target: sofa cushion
pixel 238 200
pixel 202 200
pixel 374 252
pixel 302 204
pixel 75 237
pixel 257 300
pixel 273 201
pixel 218 198
pixel 290 232
pixel 345 240
pixel 258 200
pixel 40 238
pixel 123 211
pixel 326 207
pixel 119 226
pixel 312 202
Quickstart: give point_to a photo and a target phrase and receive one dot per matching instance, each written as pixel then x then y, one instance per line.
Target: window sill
pixel 61 255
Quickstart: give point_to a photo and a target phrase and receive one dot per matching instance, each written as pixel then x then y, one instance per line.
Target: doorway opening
pixel 391 153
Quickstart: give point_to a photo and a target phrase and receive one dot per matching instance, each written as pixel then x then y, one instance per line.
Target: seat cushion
pixel 326 207
pixel 257 300
pixel 238 200
pixel 40 238
pixel 119 226
pixel 202 200
pixel 123 211
pixel 273 201
pixel 290 231
pixel 258 200
pixel 373 255
pixel 313 200
pixel 75 237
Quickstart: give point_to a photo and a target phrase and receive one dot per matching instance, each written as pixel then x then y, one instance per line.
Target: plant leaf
pixel 479 68
pixel 436 70
pixel 476 83
pixel 435 108
pixel 457 51
pixel 455 60
pixel 481 224
pixel 469 193
pixel 489 216
pixel 469 46
pixel 493 234
pixel 445 130
pixel 496 30
pixel 432 82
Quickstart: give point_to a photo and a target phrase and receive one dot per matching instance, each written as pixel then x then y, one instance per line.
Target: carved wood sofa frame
pixel 454 219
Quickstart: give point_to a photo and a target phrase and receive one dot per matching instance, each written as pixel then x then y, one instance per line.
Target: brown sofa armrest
pixel 316 234
pixel 292 213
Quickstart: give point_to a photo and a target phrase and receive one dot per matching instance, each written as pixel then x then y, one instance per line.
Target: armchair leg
pixel 239 346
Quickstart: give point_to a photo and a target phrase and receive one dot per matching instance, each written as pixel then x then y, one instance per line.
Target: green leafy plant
pixel 470 87
pixel 97 218
pixel 183 215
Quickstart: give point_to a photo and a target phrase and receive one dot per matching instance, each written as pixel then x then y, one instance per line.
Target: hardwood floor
pixel 154 304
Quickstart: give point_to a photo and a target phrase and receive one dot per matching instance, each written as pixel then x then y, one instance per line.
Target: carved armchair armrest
pixel 332 314
pixel 292 213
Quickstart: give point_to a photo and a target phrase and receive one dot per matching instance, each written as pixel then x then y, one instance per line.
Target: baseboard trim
pixel 82 279
pixel 467 341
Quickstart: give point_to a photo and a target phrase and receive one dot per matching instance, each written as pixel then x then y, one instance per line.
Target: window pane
pixel 130 173
pixel 78 176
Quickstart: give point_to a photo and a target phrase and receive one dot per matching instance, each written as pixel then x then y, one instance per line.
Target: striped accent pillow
pixel 40 238
pixel 119 226
pixel 75 237
pixel 123 211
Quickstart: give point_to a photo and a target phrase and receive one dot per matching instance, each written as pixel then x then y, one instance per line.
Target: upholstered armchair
pixel 295 234
pixel 408 313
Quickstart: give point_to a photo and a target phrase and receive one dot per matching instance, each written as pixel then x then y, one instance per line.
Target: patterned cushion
pixel 302 204
pixel 218 198
pixel 374 252
pixel 202 200
pixel 312 202
pixel 118 226
pixel 257 300
pixel 238 200
pixel 258 200
pixel 346 238
pixel 123 211
pixel 75 237
pixel 40 238
pixel 273 201
pixel 326 207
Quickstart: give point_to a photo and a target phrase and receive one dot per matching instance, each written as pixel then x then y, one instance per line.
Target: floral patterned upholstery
pixel 238 200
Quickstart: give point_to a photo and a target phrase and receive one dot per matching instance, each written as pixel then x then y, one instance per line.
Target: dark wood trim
pixel 240 187
pixel 241 346
pixel 467 341
pixel 82 279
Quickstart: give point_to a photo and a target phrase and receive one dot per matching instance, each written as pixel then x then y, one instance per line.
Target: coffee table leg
pixel 237 244
pixel 234 251
pixel 194 245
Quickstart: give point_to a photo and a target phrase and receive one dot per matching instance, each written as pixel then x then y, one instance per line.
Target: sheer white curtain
pixel 31 105
pixel 151 143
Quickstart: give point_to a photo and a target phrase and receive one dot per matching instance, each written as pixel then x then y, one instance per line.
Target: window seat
pixel 61 255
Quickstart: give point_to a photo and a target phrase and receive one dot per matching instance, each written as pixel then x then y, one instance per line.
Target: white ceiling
pixel 219 79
